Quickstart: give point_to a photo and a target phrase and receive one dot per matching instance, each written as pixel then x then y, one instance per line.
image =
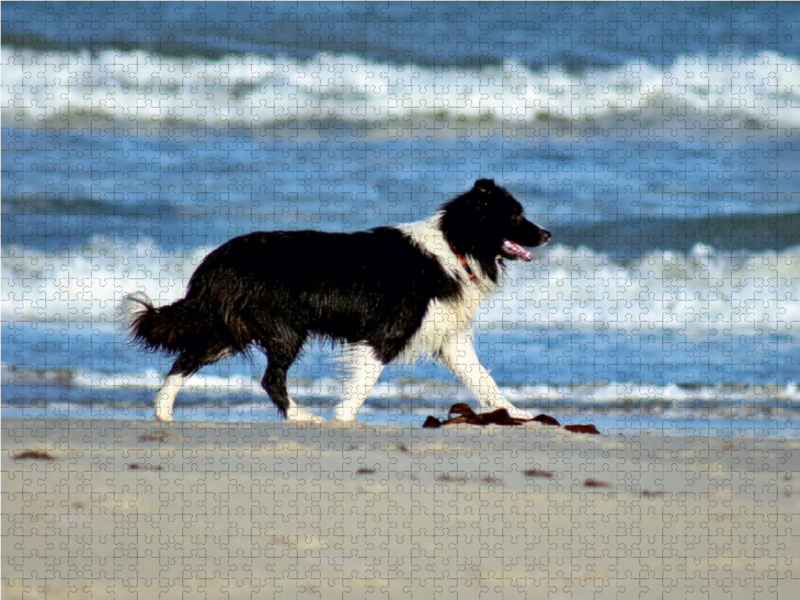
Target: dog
pixel 401 292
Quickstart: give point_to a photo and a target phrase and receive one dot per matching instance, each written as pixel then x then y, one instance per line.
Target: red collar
pixel 472 277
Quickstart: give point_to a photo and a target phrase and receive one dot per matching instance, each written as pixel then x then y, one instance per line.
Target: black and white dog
pixel 407 291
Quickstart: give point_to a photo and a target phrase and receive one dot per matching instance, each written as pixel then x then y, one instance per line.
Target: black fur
pixel 277 289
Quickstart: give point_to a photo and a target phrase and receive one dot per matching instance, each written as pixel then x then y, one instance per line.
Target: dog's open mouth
pixel 514 251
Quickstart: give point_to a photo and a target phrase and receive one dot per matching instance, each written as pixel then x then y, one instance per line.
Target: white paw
pixel 300 415
pixel 344 414
pixel 518 413
pixel 344 418
pixel 163 416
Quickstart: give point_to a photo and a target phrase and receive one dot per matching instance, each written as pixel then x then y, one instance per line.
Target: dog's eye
pixel 516 219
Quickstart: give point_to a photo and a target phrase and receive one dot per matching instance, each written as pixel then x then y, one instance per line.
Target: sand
pixel 130 509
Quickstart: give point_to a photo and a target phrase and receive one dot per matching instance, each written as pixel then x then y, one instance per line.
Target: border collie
pixel 406 292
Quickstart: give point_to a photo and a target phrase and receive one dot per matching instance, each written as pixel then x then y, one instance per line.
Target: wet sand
pixel 130 509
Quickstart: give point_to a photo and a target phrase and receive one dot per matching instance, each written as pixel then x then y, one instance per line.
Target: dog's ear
pixel 487 186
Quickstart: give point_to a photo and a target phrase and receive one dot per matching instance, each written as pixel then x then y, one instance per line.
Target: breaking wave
pixel 251 90
pixel 704 290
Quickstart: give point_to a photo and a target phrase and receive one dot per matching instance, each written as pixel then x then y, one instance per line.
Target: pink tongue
pixel 516 250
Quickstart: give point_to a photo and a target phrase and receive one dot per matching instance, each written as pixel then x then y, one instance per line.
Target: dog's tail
pixel 177 327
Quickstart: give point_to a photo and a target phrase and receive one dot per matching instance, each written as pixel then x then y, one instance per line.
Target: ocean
pixel 656 141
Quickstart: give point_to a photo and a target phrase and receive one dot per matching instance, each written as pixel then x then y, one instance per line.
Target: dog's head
pixel 488 224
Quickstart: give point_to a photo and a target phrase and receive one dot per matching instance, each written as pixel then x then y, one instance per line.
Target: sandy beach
pixel 130 509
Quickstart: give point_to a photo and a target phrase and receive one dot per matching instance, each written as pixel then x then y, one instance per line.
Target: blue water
pixel 657 142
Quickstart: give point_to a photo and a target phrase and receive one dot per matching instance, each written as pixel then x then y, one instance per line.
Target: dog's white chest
pixel 442 322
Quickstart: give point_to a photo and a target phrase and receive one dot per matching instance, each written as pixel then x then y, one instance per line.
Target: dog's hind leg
pixel 458 354
pixel 280 356
pixel 362 371
pixel 165 398
pixel 182 369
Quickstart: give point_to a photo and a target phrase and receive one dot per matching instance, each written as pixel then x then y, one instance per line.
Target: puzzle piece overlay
pixel 655 141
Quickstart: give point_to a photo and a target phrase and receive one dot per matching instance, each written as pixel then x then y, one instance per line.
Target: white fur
pixel 444 319
pixel 428 236
pixel 459 356
pixel 165 398
pixel 300 415
pixel 446 330
pixel 362 369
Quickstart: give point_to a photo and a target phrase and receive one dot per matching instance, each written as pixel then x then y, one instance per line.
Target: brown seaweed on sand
pixel 593 483
pixel 452 478
pixel 546 420
pixel 462 413
pixel 155 436
pixel 33 455
pixel 538 473
pixel 142 467
pixel 588 429
pixel 432 423
pixel 649 494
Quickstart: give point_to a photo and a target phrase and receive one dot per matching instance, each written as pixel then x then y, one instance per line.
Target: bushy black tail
pixel 179 327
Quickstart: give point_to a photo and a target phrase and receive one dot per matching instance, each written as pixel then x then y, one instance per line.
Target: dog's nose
pixel 545 236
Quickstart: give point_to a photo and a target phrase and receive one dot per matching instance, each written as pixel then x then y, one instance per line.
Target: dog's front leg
pixel 458 354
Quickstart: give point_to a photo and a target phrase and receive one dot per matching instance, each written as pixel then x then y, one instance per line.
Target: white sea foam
pixel 90 282
pixel 253 90
pixel 242 389
pixel 705 291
